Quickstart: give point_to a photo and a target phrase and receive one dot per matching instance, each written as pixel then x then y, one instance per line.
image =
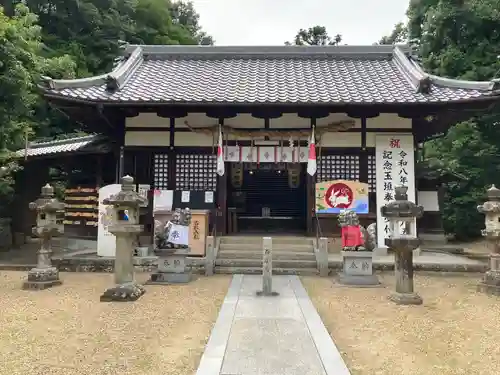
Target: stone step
pixel 257 254
pixel 285 240
pixel 258 271
pixel 258 247
pixel 258 263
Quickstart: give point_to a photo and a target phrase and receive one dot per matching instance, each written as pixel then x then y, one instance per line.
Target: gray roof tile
pixel 194 74
pixel 61 146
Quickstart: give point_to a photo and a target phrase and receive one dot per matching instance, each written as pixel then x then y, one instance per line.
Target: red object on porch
pixel 351 236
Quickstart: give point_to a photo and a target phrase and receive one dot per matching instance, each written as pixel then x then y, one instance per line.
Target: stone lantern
pixel 491 209
pixel 402 215
pixel 49 224
pixel 126 228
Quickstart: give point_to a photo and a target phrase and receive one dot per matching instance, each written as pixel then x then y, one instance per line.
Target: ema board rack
pixel 81 211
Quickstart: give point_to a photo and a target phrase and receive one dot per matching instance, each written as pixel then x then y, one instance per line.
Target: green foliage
pixel 462 40
pixel 315 36
pixel 398 35
pixel 21 64
pixel 68 39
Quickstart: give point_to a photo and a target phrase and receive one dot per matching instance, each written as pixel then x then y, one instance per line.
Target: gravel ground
pixel 455 332
pixel 66 330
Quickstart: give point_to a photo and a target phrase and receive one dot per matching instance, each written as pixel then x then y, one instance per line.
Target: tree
pixel 461 40
pixel 91 30
pixel 21 65
pixel 315 36
pixel 398 35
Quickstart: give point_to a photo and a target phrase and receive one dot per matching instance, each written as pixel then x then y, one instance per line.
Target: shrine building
pixel 371 107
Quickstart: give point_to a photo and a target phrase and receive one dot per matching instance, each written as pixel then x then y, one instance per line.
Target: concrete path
pixel 281 335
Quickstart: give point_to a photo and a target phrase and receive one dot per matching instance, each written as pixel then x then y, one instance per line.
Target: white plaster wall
pixel 428 200
pixel 140 138
pixel 245 120
pixel 193 139
pixel 388 121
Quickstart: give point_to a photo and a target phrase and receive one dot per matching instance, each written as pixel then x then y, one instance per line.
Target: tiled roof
pixel 63 146
pixel 285 74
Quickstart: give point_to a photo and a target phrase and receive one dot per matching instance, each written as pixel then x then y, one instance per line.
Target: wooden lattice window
pixel 372 174
pixel 338 167
pixel 195 172
pixel 161 171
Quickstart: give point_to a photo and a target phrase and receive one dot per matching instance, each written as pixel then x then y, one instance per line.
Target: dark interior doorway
pixel 268 198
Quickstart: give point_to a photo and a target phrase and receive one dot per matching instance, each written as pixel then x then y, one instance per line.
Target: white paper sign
pixel 162 200
pixel 185 196
pixel 179 234
pixel 106 242
pixel 209 197
pixel 395 165
pixel 143 190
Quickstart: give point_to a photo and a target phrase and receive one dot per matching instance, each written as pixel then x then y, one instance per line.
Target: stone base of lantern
pixel 490 283
pixel 123 293
pixel 358 269
pixel 171 268
pixel 406 298
pixel 42 278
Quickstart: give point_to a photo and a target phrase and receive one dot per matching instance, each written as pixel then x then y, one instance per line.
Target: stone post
pixel 267 268
pixel 402 215
pixel 126 228
pixel 490 283
pixel 322 257
pixel 49 224
pixel 210 256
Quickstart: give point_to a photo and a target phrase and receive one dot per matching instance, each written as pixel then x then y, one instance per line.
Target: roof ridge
pixel 270 51
pixel 457 83
pixel 56 142
pixel 113 80
pixel 418 78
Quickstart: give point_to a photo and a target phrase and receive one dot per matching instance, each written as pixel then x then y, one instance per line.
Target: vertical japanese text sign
pixel 395 165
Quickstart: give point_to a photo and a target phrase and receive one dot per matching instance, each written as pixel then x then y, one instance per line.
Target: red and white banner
pixel 220 156
pixel 311 160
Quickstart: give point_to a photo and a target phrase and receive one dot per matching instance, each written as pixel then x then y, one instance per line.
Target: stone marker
pixel 490 283
pixel 402 215
pixel 49 223
pixel 357 260
pixel 322 257
pixel 125 226
pixel 210 256
pixel 267 268
pixel 172 250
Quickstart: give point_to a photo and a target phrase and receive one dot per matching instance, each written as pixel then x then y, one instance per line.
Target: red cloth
pixel 351 236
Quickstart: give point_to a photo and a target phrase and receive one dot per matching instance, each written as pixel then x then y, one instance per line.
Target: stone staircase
pixel 291 255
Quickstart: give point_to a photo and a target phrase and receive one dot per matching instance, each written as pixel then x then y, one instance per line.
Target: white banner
pixel 265 154
pixel 178 234
pixel 395 166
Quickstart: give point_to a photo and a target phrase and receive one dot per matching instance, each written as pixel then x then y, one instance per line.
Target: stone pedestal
pixel 125 226
pixel 171 267
pixel 267 268
pixel 490 284
pixel 357 269
pixel 126 289
pixel 49 225
pixel 403 270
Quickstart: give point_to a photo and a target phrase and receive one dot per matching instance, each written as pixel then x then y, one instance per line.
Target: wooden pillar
pixel 98 175
pixel 221 202
pixel 363 157
pixel 310 189
pixel 172 157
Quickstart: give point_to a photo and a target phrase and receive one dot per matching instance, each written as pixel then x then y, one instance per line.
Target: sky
pixel 272 22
